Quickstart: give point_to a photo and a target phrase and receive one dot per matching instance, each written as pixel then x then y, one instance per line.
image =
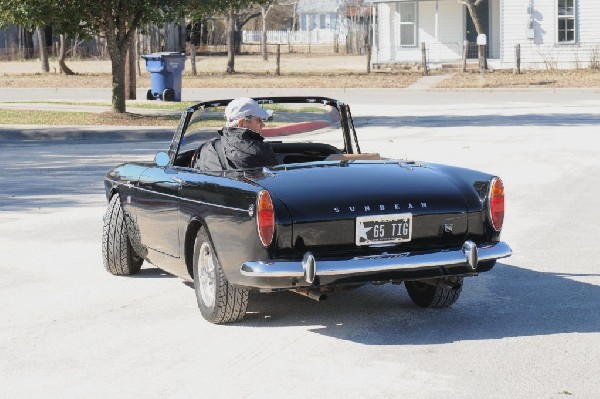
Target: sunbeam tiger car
pixel 327 218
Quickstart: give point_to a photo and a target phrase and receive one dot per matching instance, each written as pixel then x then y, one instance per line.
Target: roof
pixel 318 6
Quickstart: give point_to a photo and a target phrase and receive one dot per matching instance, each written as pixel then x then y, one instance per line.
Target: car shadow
pixel 510 301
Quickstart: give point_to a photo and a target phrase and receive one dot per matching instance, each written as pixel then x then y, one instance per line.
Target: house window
pixel 566 21
pixel 323 24
pixel 333 20
pixel 406 15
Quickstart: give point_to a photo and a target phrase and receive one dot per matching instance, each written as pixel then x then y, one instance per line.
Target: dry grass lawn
pixel 313 71
pixel 68 118
pixel 581 78
pixel 297 70
pixel 220 80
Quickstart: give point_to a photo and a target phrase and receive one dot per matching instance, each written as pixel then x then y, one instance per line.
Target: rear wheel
pixel 168 95
pixel 434 296
pixel 117 253
pixel 149 95
pixel 219 301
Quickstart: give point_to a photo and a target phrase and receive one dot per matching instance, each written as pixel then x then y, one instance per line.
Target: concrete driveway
pixel 528 328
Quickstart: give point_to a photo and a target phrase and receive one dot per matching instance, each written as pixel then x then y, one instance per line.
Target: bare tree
pixel 472 7
pixel 264 10
pixel 62 54
pixel 231 27
pixel 238 13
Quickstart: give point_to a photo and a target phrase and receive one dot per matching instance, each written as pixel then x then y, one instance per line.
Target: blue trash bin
pixel 165 75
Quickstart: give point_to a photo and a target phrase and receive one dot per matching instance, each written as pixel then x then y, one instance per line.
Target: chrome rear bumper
pixel 468 256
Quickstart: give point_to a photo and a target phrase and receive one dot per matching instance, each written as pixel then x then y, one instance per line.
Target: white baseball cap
pixel 244 107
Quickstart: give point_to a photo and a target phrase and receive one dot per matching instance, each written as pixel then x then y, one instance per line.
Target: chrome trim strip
pixel 378 263
pixel 185 199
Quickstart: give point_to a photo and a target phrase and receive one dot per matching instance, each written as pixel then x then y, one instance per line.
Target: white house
pixel 551 33
pixel 318 14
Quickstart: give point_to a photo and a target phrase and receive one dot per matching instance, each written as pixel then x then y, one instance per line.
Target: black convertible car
pixel 327 218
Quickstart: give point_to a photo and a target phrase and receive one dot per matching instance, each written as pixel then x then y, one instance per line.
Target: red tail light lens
pixel 265 218
pixel 496 204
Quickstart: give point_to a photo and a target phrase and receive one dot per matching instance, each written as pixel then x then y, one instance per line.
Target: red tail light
pixel 496 204
pixel 265 218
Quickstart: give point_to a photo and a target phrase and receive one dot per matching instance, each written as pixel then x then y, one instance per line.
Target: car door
pixel 157 210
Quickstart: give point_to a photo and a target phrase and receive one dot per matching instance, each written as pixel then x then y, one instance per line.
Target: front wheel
pixel 219 301
pixel 434 296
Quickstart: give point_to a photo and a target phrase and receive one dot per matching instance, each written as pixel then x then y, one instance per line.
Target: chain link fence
pixel 282 58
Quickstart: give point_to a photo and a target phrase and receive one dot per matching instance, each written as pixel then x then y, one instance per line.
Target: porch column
pixel 437 7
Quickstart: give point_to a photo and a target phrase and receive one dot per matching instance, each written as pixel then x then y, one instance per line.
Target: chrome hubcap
pixel 206 271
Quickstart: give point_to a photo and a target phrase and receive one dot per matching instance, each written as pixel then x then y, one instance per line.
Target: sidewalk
pixel 428 82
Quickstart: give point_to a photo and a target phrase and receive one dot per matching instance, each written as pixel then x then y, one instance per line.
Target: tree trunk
pixel 118 83
pixel 193 47
pixel 231 41
pixel 43 49
pixel 74 49
pixel 28 44
pixel 138 52
pixel 118 55
pixel 475 17
pixel 62 54
pixel 263 40
pixel 193 58
pixel 130 76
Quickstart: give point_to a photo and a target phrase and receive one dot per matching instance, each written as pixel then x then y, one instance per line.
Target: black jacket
pixel 242 148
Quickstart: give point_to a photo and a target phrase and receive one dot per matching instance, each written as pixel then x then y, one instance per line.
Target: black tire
pixel 117 253
pixel 219 301
pixel 432 296
pixel 149 95
pixel 168 95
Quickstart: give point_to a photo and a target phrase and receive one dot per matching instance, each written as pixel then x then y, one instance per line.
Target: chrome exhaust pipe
pixel 312 294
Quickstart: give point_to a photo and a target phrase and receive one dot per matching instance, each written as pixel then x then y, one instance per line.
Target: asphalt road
pixel 529 328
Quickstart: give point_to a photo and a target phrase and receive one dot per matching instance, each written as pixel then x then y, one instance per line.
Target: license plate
pixel 383 229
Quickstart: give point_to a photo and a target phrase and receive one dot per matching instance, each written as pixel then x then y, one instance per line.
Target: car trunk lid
pixel 325 199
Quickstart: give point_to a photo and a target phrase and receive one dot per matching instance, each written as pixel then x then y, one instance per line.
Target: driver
pixel 240 145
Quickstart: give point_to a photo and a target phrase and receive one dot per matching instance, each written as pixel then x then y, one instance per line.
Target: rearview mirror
pixel 161 159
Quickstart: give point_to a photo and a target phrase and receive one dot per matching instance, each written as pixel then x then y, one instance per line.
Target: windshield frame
pixel 350 139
